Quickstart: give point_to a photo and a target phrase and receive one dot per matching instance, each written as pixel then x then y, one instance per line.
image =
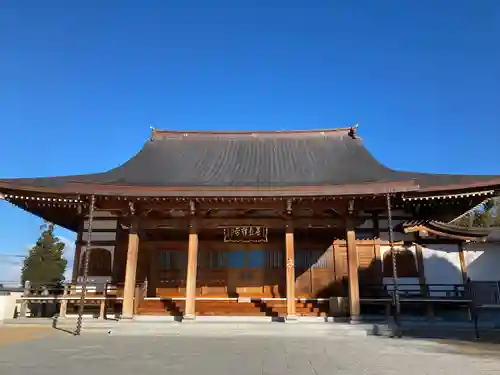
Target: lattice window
pixel 275 259
pixel 216 259
pixel 305 259
pixel 172 260
pixel 321 258
pixel 99 262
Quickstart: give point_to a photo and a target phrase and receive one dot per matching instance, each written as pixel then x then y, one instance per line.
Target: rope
pixel 394 262
pixel 78 328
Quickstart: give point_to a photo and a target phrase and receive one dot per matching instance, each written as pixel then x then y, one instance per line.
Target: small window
pixel 275 258
pixel 99 262
pixel 216 259
pixel 172 260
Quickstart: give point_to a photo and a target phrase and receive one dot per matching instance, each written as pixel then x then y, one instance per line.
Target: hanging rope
pixel 86 257
pixel 396 302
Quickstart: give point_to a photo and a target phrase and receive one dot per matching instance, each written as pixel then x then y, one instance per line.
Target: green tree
pixel 484 216
pixel 45 264
pixel 487 215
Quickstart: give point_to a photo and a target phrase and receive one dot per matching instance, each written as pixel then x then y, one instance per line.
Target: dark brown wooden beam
pixel 317 206
pixel 209 223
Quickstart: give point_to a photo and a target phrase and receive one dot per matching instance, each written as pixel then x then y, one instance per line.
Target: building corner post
pixel 291 308
pixel 352 260
pixel 192 266
pixel 131 266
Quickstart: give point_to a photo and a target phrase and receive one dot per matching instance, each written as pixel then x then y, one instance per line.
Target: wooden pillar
pixel 78 250
pixel 76 262
pixel 463 264
pixel 130 271
pixel 290 274
pixel 421 269
pixel 192 267
pixel 24 303
pixel 63 307
pixel 352 260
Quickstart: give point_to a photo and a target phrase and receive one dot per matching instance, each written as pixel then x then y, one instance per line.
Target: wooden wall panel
pixel 341 268
pixel 369 270
pixel 215 279
pixel 370 267
pixel 320 271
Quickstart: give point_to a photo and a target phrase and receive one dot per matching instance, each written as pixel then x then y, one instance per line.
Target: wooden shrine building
pixel 219 220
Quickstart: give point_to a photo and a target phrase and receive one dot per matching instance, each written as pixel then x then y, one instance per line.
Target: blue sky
pixel 82 82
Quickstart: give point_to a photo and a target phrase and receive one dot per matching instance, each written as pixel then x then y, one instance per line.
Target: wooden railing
pixel 416 292
pixel 473 295
pixel 486 293
pixel 61 296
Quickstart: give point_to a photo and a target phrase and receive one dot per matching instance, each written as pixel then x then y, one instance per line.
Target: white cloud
pixel 10 266
pixel 69 255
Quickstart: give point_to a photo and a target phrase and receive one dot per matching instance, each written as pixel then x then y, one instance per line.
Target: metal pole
pixel 78 329
pixel 397 305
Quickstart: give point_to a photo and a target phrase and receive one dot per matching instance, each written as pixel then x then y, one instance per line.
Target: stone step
pixel 228 329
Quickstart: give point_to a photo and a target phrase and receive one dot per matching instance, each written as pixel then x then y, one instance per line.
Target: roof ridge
pixel 162 133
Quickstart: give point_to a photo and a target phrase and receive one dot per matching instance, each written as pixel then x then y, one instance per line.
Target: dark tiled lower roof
pixel 445 229
pixel 254 160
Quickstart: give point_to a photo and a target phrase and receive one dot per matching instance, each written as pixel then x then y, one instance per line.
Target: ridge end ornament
pixel 352 131
pixel 192 208
pixel 289 203
pixel 131 208
pixel 350 207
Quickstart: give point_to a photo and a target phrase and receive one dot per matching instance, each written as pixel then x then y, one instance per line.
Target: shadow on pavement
pixel 55 326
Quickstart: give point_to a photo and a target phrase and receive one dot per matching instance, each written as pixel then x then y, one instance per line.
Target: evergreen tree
pixel 484 216
pixel 45 264
pixel 487 215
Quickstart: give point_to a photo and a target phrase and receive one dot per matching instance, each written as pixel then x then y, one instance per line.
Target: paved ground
pixel 284 349
pixel 11 335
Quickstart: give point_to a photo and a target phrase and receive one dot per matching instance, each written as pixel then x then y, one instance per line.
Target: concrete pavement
pixel 220 349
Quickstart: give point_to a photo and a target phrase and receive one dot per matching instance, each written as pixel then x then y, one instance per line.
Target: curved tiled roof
pixel 260 161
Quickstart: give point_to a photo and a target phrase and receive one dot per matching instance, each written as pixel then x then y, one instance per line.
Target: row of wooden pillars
pixel 192 265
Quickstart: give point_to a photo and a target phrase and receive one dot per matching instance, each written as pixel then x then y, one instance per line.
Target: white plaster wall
pixel 101 224
pixel 442 266
pixel 99 236
pixel 483 261
pixel 8 306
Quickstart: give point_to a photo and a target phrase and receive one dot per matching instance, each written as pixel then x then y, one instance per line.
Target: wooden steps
pixel 309 308
pixel 275 308
pixel 161 307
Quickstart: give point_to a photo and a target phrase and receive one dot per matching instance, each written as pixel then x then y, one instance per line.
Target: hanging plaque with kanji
pixel 247 233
